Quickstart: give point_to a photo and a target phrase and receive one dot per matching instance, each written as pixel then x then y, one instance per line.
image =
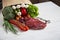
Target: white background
pixel 47 10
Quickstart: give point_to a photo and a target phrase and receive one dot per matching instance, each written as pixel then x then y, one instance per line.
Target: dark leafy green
pixel 8 13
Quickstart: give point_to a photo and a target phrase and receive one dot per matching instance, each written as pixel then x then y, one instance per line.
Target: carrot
pixel 19 25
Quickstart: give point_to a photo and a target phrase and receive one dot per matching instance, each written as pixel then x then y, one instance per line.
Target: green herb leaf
pixel 10 27
pixel 32 10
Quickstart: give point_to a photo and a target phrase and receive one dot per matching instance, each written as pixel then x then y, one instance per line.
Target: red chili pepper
pixel 23 11
pixel 19 25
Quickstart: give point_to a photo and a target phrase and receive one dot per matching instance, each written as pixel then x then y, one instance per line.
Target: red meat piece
pixel 34 23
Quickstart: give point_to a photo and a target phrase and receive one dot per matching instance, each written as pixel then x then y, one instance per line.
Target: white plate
pixel 47 10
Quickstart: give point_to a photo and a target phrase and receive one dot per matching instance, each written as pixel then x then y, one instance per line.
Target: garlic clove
pixel 13 7
pixel 19 13
pixel 18 6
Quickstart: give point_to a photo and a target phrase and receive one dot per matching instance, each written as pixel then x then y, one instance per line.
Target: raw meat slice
pixel 34 23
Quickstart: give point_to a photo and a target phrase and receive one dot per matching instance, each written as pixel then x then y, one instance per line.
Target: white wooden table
pixel 47 10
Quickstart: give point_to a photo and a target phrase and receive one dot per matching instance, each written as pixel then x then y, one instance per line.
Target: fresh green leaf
pixel 10 27
pixel 5 26
pixel 32 10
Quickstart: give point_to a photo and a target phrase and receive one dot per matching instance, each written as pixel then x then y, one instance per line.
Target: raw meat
pixel 34 23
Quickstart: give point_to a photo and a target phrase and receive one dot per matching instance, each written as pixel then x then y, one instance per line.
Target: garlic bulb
pixel 18 6
pixel 19 13
pixel 13 7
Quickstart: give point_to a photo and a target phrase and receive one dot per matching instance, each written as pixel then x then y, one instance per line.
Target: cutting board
pixel 14 2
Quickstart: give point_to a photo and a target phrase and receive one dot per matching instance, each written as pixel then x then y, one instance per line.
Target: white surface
pixel 47 10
